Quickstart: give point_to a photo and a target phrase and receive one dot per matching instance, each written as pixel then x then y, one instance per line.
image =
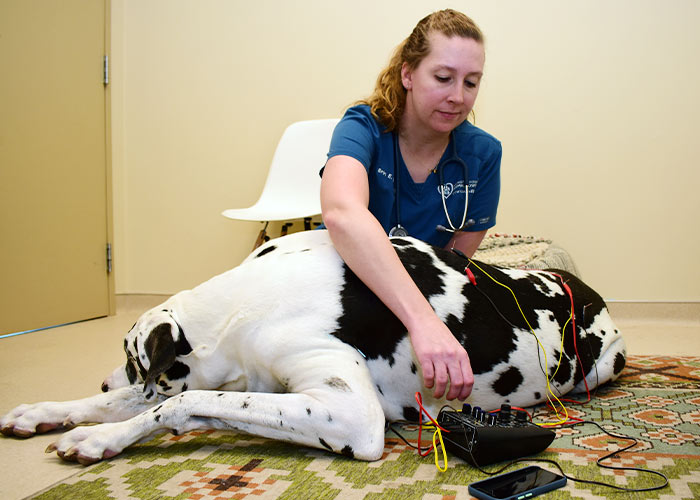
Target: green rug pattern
pixel 656 400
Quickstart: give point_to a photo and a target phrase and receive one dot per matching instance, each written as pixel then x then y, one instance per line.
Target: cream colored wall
pixel 594 102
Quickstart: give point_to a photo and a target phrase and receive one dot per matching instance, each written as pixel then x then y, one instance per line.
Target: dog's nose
pixel 105 387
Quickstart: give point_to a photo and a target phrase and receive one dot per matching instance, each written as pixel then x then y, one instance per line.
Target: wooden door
pixel 53 164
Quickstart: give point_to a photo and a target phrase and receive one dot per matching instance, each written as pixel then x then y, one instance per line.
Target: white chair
pixel 292 188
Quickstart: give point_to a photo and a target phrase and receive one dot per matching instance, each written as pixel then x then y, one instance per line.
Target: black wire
pixel 598 462
pixel 556 464
pixel 392 429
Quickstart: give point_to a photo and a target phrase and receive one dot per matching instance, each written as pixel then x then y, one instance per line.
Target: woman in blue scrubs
pixel 405 160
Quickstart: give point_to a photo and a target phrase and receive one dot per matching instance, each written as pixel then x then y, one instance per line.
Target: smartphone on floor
pixel 519 484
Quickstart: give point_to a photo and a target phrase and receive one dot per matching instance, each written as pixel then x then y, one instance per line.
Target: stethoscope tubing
pixel 399 230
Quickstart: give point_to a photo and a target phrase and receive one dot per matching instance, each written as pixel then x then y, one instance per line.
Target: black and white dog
pixel 290 345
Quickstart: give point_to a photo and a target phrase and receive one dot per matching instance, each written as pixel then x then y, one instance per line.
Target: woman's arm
pixel 362 243
pixel 467 242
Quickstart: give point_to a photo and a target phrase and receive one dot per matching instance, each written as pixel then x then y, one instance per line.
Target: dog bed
pixel 526 252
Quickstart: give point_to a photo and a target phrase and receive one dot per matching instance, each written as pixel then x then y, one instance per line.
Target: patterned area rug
pixel 656 401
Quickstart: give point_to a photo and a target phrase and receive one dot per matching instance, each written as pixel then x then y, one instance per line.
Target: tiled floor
pixel 69 363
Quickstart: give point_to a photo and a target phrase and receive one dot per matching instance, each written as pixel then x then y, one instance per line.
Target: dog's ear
pixel 160 349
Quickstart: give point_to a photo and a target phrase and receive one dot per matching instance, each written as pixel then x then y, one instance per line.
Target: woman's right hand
pixel 443 360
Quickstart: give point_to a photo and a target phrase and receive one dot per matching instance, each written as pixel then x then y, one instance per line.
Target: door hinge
pixel 109 257
pixel 105 68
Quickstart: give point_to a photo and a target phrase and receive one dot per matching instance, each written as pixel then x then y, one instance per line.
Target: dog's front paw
pixel 90 444
pixel 27 420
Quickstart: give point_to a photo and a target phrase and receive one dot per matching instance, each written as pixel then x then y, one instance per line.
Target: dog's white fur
pixel 264 360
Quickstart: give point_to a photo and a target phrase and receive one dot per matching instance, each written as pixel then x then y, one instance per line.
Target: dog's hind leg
pixel 121 404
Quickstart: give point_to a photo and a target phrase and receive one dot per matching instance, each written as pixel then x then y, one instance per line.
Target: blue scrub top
pixel 360 136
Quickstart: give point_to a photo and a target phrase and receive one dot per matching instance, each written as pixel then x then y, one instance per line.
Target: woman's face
pixel 442 89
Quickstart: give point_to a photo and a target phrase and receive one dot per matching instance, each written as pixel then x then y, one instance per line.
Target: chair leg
pixel 262 236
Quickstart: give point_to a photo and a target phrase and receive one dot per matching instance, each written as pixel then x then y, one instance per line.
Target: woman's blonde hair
pixel 389 97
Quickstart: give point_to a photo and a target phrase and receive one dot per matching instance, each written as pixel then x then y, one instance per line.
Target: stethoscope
pixel 398 229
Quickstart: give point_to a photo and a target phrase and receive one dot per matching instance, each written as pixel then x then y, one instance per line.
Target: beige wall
pixel 595 103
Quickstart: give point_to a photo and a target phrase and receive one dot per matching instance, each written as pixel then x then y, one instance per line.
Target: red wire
pixel 578 357
pixel 419 400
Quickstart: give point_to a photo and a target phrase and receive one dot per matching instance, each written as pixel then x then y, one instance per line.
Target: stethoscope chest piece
pixel 398 230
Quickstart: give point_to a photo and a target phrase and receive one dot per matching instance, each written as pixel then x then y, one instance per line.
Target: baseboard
pixel 138 301
pixel 682 312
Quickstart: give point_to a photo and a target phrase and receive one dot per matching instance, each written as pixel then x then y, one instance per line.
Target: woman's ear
pixel 406 76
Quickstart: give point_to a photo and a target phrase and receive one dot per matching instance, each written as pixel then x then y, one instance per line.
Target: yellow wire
pixel 549 389
pixel 435 449
pixel 561 346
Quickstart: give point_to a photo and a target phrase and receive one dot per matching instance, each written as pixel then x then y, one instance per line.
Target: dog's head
pixel 153 346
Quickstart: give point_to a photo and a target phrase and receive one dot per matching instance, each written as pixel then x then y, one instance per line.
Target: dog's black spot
pixel 157 409
pixel 329 418
pixel 619 363
pixel 562 368
pixel 165 310
pixel 174 432
pixel 157 419
pixel 281 423
pixel 348 451
pixel 184 387
pixel 131 374
pixel 245 404
pixel 379 389
pixel 551 317
pixel 414 369
pixel 177 371
pixel 421 267
pixel 324 444
pixel 220 394
pixel 265 251
pixel 142 369
pixel 149 395
pixel 182 346
pixel 537 396
pixel 164 385
pixel 410 414
pixel 508 382
pixel 338 384
pixel 366 323
pixel 398 242
pixel 308 411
